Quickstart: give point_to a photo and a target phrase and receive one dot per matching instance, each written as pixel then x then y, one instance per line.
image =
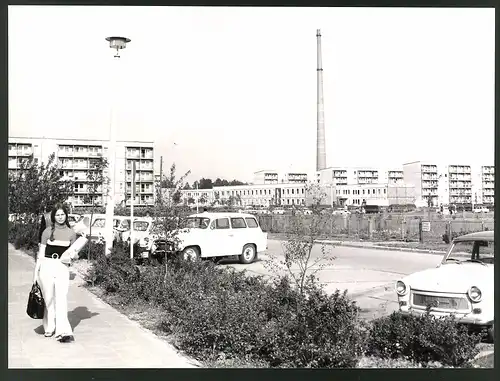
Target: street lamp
pixel 117 43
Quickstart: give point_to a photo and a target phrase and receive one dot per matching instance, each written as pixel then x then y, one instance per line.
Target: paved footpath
pixel 104 338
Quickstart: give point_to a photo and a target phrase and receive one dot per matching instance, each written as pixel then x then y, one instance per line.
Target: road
pixel 367 274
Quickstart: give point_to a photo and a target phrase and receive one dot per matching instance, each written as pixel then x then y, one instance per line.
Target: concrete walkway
pixel 104 338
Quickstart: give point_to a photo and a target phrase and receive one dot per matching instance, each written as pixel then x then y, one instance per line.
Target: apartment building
pixel 392 176
pixel 275 177
pixel 487 185
pixel 459 184
pixel 77 159
pixel 348 175
pixel 424 177
pixel 266 177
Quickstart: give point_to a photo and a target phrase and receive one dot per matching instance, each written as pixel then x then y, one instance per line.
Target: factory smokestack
pixel 320 143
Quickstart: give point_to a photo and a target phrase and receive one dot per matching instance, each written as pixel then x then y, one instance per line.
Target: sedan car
pixel 462 284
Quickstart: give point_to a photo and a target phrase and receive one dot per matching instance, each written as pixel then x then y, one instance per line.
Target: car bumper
pixel 462 318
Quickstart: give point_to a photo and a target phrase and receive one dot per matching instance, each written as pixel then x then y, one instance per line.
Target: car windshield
pixel 197 222
pixel 99 223
pixel 141 226
pixel 471 251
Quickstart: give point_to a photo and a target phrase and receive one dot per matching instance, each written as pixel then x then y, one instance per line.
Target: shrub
pixel 114 273
pixel 24 235
pixel 422 339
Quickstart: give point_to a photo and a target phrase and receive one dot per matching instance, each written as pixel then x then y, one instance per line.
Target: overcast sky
pixel 235 88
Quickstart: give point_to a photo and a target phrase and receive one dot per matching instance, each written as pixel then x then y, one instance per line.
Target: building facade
pixel 423 177
pixel 77 157
pixel 487 191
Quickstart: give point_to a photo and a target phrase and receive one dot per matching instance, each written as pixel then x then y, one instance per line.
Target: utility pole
pixel 160 193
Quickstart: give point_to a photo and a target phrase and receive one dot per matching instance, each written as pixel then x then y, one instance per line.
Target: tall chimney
pixel 320 143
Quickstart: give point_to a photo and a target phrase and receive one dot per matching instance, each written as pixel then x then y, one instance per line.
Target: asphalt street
pixel 367 274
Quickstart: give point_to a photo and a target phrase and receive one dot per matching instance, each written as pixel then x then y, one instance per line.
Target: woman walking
pixel 52 274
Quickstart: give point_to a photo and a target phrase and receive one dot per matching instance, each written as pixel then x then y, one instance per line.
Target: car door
pixel 217 241
pixel 255 233
pixel 239 235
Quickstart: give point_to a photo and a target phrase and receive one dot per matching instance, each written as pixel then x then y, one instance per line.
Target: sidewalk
pixel 104 338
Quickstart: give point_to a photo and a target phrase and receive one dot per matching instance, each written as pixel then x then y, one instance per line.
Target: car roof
pixel 478 236
pixel 222 214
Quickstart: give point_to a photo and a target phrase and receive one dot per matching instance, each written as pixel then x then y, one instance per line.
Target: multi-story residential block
pixel 424 177
pixel 348 175
pixel 77 157
pixel 459 184
pixel 488 185
pixel 294 177
pixel 266 177
pixel 392 176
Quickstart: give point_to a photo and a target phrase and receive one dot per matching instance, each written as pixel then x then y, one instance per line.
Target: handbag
pixel 36 304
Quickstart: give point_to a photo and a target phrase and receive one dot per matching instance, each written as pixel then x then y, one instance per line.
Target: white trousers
pixel 54 282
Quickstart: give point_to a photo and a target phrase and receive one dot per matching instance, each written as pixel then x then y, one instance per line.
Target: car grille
pixel 162 245
pixel 441 302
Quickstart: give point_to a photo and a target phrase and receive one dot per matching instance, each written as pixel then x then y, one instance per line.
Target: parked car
pixel 98 227
pixel 84 222
pixel 341 212
pixel 73 219
pixel 142 228
pixel 481 209
pixel 211 235
pixel 462 284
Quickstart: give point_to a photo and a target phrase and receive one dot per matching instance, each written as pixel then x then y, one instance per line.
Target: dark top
pixel 64 237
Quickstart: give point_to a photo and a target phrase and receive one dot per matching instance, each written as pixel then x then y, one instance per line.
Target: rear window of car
pixel 222 223
pixel 251 222
pixel 238 223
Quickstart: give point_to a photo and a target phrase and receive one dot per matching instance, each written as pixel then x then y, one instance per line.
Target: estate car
pixel 211 235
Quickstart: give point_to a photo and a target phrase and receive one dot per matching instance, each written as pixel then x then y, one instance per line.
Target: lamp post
pixel 116 43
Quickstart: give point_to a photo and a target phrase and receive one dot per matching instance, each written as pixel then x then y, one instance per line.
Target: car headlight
pixel 475 294
pixel 401 288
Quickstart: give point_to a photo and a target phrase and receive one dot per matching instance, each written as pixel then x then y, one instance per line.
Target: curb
pixel 375 247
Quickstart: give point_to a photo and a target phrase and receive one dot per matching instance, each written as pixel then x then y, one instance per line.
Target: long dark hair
pixel 57 207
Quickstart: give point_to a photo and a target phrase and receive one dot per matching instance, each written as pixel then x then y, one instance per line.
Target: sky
pixel 235 88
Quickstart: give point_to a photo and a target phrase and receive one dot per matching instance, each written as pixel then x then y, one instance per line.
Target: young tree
pixel 96 183
pixel 167 217
pixel 300 260
pixel 34 187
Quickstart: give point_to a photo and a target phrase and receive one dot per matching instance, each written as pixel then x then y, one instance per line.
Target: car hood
pixel 451 277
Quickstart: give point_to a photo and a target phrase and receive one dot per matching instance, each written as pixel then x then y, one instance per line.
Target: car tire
pixel 191 252
pixel 248 254
pixel 491 333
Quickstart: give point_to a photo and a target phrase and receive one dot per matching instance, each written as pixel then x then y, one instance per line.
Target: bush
pixel 217 312
pixel 422 339
pixel 24 236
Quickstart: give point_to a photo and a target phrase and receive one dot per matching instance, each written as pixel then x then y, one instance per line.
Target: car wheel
pixel 491 333
pixel 192 253
pixel 248 255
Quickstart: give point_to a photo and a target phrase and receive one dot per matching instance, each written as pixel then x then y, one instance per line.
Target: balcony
pixel 81 153
pixel 133 154
pixel 145 167
pixel 148 155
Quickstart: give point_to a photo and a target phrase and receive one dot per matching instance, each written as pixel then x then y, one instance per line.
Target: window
pixel 302 190
pixel 292 191
pixel 251 222
pixel 385 191
pixel 368 191
pixel 238 223
pixel 222 223
pixel 141 226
